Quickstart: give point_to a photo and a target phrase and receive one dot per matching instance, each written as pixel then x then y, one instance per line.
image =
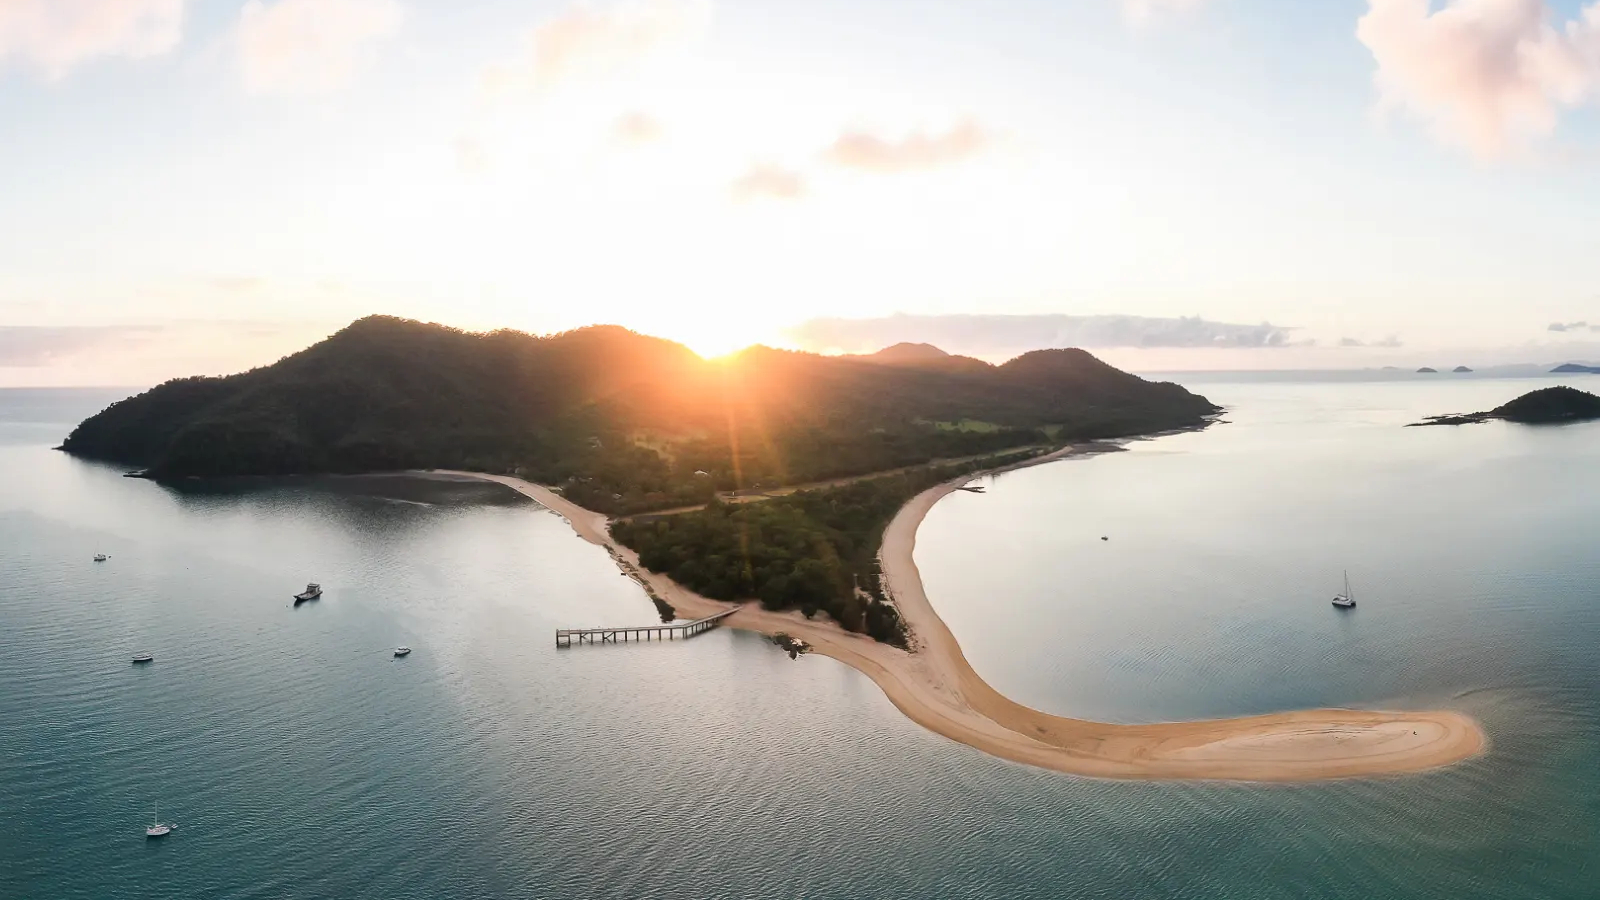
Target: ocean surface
pixel 300 759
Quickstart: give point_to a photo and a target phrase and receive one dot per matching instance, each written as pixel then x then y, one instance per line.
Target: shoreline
pixel 938 689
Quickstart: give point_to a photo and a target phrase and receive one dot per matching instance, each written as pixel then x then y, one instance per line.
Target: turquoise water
pixel 300 759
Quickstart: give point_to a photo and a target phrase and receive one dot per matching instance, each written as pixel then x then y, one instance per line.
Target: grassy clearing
pixel 969 426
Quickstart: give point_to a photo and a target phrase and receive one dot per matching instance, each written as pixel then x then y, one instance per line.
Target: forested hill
pixel 625 422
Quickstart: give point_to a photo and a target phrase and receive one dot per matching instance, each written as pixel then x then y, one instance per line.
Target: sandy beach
pixel 937 688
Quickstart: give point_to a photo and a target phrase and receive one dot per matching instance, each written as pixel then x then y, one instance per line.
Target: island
pixel 622 422
pixel 1547 406
pixel 1427 371
pixel 1461 370
pixel 1574 368
pixel 770 474
pixel 781 490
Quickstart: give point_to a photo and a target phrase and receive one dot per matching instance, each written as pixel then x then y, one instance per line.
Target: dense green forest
pixel 815 551
pixel 622 422
pixel 1547 406
pixel 1551 405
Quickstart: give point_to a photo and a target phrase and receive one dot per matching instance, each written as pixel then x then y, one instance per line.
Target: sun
pixel 715 342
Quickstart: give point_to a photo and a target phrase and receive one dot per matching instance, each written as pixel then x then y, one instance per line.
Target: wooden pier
pixel 566 637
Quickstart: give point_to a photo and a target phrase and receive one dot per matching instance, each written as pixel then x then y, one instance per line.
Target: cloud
pixel 918 150
pixel 635 129
pixel 1391 341
pixel 1489 75
pixel 1144 10
pixel 310 46
pixel 1568 326
pixel 54 36
pixel 147 352
pixel 237 283
pixel 766 181
pixel 998 335
pixel 30 346
pixel 472 158
pixel 589 43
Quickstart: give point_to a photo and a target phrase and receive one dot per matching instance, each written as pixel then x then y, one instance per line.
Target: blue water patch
pixel 300 758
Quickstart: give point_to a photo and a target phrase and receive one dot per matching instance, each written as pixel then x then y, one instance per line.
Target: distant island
pixel 1547 406
pixel 1574 368
pixel 1427 371
pixel 771 474
pixel 1461 370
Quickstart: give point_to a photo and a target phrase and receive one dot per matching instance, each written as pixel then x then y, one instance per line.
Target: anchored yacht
pixel 155 829
pixel 1345 600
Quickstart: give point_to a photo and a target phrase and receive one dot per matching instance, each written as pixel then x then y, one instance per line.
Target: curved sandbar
pixel 937 688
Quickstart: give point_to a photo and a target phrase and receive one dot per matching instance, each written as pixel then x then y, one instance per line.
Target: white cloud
pixel 918 150
pixel 472 157
pixel 585 42
pixel 1490 75
pixel 56 35
pixel 635 129
pixel 770 182
pixel 305 46
pixel 993 335
pixel 1144 10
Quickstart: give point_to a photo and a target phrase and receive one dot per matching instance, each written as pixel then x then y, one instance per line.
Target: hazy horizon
pixel 1156 360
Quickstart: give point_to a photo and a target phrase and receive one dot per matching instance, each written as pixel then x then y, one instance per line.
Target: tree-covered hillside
pixel 815 551
pixel 622 421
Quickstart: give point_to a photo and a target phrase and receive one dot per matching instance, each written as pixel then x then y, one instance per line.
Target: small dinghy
pixel 402 651
pixel 143 658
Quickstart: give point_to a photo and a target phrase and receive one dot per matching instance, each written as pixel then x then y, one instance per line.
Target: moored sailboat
pixel 156 829
pixel 1345 600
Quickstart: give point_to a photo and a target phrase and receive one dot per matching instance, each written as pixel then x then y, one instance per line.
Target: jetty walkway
pixel 566 637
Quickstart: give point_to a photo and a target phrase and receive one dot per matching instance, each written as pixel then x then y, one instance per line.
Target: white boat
pixel 155 829
pixel 1345 600
pixel 312 592
pixel 143 657
pixel 101 557
pixel 401 651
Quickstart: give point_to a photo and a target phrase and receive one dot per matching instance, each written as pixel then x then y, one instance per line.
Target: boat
pixel 101 557
pixel 1345 600
pixel 312 592
pixel 155 829
pixel 143 657
pixel 401 651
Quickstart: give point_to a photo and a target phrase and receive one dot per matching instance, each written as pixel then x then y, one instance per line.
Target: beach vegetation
pixel 814 550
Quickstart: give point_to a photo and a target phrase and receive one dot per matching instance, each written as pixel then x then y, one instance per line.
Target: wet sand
pixel 938 689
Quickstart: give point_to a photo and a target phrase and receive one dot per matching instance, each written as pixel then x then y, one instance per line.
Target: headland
pixel 936 687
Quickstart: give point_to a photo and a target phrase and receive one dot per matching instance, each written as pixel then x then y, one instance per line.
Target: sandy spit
pixel 937 688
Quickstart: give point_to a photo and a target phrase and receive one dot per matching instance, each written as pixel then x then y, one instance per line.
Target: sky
pixel 202 186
